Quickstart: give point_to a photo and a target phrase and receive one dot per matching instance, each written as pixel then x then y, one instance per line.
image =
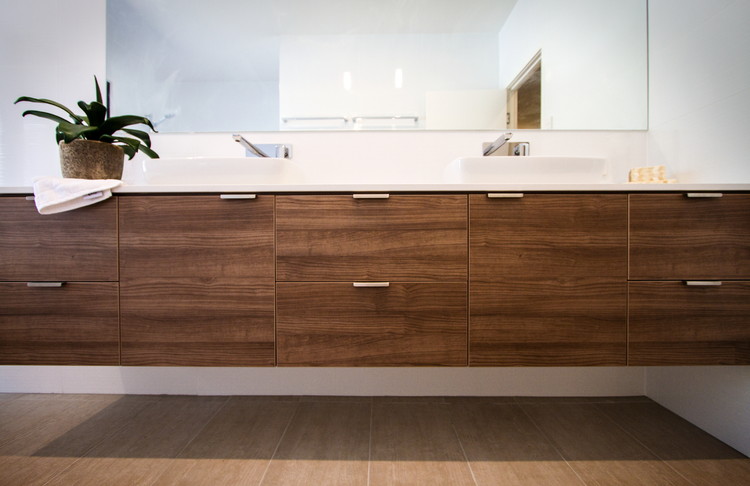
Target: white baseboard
pixel 589 381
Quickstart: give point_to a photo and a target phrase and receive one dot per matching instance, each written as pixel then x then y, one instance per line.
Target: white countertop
pixel 406 187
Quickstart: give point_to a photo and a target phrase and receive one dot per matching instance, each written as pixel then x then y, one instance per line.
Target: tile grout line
pixel 369 447
pixel 463 451
pixel 638 441
pixel 549 441
pixel 278 444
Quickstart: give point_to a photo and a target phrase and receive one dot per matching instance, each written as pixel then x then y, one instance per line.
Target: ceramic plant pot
pixel 89 159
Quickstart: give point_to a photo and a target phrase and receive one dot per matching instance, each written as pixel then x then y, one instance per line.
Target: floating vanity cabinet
pixel 371 280
pixel 547 279
pixel 58 285
pixel 197 280
pixel 689 289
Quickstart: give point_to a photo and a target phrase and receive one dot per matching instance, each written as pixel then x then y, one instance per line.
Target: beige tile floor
pixel 189 440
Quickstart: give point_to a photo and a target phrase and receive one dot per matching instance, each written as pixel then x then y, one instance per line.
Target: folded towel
pixel 55 195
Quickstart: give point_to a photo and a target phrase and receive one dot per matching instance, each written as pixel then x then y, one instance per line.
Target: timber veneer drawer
pixel 400 238
pixel 197 322
pixel 673 236
pixel 548 322
pixel 548 235
pixel 197 280
pixel 78 245
pixel 548 280
pixel 403 324
pixel 196 236
pixel 673 323
pixel 75 323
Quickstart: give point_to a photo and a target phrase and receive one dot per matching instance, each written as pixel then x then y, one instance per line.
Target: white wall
pixel 700 107
pixel 594 71
pixel 716 399
pixel 48 49
pixel 700 89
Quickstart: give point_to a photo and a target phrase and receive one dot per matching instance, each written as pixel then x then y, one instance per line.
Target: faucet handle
pixel 520 148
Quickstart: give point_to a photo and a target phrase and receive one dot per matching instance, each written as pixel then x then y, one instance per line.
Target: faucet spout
pixel 249 147
pixel 499 142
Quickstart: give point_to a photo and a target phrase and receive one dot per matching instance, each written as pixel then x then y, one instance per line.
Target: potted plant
pixel 94 145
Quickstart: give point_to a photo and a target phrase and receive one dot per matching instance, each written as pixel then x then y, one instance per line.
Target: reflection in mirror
pixel 267 65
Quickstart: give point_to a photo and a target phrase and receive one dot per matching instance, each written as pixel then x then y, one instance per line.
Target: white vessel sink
pixel 528 170
pixel 220 170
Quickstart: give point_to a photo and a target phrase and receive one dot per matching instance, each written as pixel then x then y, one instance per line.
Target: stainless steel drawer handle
pixel 504 195
pixel 237 196
pixel 704 194
pixel 371 196
pixel 371 284
pixel 30 198
pixel 44 284
pixel 703 283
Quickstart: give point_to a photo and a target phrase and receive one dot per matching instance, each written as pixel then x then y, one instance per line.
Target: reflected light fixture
pixel 398 78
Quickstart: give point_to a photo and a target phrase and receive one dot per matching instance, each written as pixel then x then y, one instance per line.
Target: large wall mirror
pixel 268 65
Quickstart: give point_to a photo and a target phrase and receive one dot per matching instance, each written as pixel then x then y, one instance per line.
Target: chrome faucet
pixel 491 148
pixel 281 151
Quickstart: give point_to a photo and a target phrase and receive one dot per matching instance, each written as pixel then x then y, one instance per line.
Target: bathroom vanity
pixel 436 278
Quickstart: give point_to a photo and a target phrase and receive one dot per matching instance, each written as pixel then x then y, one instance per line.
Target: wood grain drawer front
pixel 196 236
pixel 673 236
pixel 402 238
pixel 78 245
pixel 672 323
pixel 75 324
pixel 548 235
pixel 337 324
pixel 537 322
pixel 197 322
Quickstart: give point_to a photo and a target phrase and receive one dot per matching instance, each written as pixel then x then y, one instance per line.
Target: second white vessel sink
pixel 220 170
pixel 528 170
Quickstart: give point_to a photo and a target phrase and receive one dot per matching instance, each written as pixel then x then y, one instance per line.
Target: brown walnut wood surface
pixel 675 324
pixel 676 237
pixel 78 245
pixel 196 236
pixel 76 324
pixel 403 238
pixel 548 235
pixel 336 324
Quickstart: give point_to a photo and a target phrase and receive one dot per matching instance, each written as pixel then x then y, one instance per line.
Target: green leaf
pixel 44 114
pixel 96 112
pixel 116 123
pixel 72 131
pixel 148 151
pixel 75 117
pixel 129 145
pixel 129 151
pixel 140 134
pixel 98 92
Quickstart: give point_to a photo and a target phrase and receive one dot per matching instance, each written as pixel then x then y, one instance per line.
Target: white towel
pixel 55 195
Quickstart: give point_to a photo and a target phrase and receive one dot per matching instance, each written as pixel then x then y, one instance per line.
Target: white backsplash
pixel 415 157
